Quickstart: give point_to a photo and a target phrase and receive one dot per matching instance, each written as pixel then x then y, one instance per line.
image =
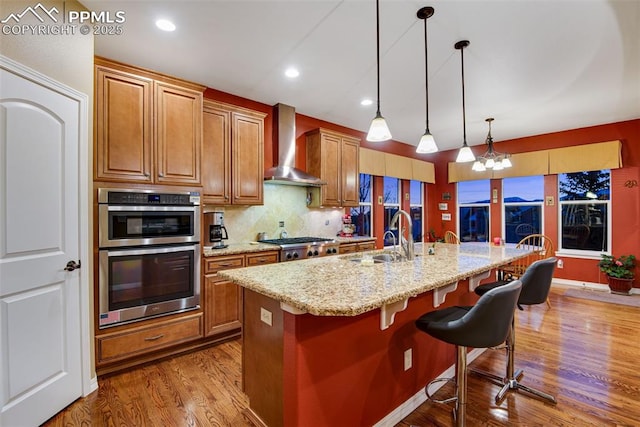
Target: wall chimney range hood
pixel 285 173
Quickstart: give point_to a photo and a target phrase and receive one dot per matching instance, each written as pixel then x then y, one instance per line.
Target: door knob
pixel 71 265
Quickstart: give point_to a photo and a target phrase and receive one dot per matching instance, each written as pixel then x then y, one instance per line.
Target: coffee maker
pixel 217 231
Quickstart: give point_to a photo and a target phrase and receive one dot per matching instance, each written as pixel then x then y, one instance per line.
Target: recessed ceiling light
pixel 165 25
pixel 292 73
pixel 366 102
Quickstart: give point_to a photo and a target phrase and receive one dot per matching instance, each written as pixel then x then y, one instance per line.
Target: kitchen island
pixel 325 341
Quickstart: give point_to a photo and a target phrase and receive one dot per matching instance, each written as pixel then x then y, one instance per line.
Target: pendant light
pixel 465 154
pixel 427 143
pixel 491 159
pixel 378 131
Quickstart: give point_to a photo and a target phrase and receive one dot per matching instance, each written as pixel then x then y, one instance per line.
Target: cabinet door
pixel 178 134
pixel 223 305
pixel 330 160
pixel 247 154
pixel 349 173
pixel 123 126
pixel 216 162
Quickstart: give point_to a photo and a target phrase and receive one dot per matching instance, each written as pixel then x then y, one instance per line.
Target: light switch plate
pixel 446 217
pixel 266 316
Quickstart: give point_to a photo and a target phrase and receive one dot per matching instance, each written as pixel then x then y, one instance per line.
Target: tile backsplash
pixel 281 203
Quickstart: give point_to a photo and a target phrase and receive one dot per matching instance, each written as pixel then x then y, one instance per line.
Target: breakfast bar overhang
pixel 325 341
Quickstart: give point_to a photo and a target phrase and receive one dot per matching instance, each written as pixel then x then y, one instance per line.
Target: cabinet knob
pixel 160 174
pixel 147 175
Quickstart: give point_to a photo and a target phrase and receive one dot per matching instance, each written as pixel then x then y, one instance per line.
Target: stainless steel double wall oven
pixel 149 254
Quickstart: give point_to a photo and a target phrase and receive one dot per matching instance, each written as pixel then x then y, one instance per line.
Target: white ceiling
pixel 536 66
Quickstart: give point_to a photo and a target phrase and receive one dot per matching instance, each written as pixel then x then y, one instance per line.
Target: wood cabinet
pixel 233 154
pixel 148 127
pixel 222 299
pixel 347 248
pixel 334 158
pixel 145 338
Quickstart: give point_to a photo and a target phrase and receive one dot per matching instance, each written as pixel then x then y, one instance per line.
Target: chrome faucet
pixel 393 236
pixel 407 245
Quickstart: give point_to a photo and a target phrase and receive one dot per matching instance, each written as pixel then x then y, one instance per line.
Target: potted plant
pixel 619 271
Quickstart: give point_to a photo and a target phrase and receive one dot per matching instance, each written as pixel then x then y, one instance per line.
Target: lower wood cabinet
pixel 222 299
pixel 347 248
pixel 116 346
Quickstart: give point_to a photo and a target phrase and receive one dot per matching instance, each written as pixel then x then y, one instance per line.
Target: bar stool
pixel 483 325
pixel 536 283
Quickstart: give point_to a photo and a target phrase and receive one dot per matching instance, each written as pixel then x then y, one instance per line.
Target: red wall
pixel 625 200
pixel 345 371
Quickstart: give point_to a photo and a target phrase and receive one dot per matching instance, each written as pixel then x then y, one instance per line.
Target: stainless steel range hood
pixel 285 172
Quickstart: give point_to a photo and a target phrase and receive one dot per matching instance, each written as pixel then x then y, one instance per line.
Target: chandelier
pixel 491 159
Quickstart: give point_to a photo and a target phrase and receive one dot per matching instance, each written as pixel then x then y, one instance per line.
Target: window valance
pixel 587 157
pixel 384 164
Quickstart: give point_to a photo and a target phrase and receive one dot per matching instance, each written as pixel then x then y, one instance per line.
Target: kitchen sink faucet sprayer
pixel 407 244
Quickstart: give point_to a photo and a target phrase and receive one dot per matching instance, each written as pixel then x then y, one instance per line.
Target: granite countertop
pixel 342 286
pixel 239 248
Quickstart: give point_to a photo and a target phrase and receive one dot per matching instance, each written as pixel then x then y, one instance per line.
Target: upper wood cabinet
pixel 333 157
pixel 233 154
pixel 148 127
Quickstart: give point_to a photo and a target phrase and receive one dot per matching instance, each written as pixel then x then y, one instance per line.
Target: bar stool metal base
pixel 511 381
pixel 460 397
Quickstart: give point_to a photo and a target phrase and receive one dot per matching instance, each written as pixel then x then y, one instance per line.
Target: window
pixel 362 215
pixel 391 197
pixel 523 198
pixel 473 209
pixel 416 207
pixel 584 211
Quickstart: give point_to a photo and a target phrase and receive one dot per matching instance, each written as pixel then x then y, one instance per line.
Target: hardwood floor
pixel 584 352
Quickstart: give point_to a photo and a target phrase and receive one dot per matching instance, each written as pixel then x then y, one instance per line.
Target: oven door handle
pixel 152 208
pixel 154 250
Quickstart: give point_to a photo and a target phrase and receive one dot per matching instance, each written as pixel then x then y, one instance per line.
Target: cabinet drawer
pixel 262 258
pixel 146 339
pixel 369 246
pixel 213 265
pixel 348 248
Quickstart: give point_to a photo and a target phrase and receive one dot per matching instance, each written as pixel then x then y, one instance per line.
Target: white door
pixel 40 313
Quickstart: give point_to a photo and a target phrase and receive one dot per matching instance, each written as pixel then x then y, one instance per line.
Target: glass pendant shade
pixel 465 155
pixel 378 131
pixel 427 144
pixel 506 163
pixel 478 166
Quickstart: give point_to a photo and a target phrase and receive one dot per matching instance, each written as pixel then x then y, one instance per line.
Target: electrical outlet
pixel 280 223
pixel 266 316
pixel 560 263
pixel 408 359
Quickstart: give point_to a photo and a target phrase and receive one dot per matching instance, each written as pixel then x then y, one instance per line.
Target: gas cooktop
pixel 296 240
pixel 293 248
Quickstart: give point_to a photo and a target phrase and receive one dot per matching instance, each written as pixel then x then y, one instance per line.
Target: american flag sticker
pixel 110 317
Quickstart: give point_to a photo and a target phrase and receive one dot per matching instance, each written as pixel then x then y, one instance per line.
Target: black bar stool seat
pixel 486 324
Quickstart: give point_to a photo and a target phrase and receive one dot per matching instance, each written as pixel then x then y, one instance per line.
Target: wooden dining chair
pixel 542 248
pixel 451 237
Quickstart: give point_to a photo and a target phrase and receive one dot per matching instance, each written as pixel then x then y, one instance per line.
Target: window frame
pixel 583 253
pixel 364 205
pixel 420 205
pixel 540 204
pixel 486 205
pixel 397 205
